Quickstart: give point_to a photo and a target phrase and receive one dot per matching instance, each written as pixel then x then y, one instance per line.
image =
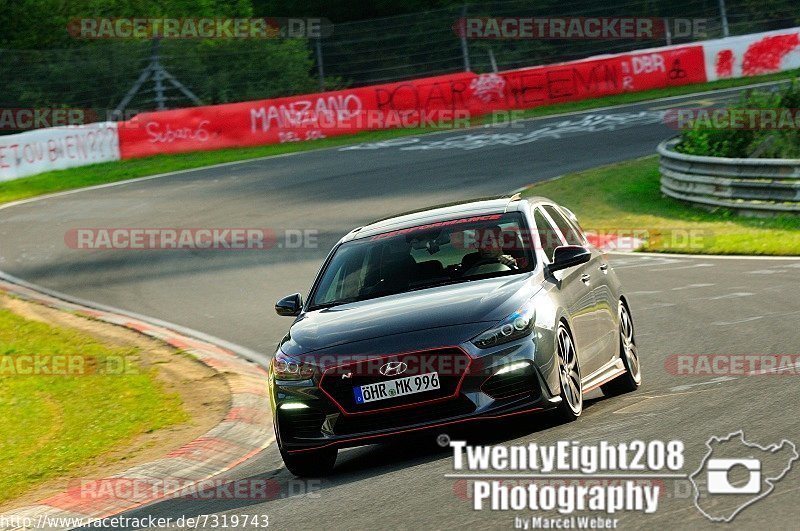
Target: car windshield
pixel 434 254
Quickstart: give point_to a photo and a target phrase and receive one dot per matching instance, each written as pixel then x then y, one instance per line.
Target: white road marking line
pixel 643 292
pixel 657 306
pixel 718 380
pixel 693 286
pixel 734 295
pixel 699 103
pixel 746 320
pixel 693 266
pixel 766 271
pixel 643 262
pixel 710 256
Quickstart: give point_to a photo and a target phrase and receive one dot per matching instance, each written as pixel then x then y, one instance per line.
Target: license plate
pixel 394 388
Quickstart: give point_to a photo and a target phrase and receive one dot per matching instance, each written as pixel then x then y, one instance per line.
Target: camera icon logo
pixel 735 473
pixel 718 476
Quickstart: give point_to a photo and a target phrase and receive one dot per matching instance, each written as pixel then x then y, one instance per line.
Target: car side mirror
pixel 568 256
pixel 289 306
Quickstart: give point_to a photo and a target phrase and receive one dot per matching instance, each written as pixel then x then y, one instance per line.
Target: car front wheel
pixel 570 375
pixel 632 378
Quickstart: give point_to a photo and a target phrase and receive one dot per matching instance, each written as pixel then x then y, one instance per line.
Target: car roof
pixel 474 207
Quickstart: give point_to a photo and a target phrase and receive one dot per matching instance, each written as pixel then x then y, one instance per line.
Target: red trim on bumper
pixel 420 428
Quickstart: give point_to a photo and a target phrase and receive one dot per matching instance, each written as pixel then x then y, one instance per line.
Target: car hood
pixel 477 303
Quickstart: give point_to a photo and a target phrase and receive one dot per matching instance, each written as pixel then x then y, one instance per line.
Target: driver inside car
pixel 490 250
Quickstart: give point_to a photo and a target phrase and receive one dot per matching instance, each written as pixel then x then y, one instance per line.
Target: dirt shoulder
pixel 204 394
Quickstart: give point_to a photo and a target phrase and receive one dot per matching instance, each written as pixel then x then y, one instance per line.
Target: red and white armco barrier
pixel 406 104
pixel 419 102
pixel 752 55
pixel 454 97
pixel 57 148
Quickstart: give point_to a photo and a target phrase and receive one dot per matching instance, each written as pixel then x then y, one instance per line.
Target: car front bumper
pixel 310 414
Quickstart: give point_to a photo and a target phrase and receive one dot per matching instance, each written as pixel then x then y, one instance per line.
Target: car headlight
pixel 287 368
pixel 518 324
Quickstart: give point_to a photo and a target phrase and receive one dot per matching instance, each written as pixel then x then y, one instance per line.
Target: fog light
pixel 512 367
pixel 293 405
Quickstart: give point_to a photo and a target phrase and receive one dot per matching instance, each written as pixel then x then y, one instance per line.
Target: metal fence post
pixel 492 60
pixel 320 67
pixel 723 15
pixel 464 47
pixel 159 74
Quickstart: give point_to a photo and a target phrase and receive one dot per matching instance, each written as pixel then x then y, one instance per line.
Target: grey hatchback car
pixel 465 312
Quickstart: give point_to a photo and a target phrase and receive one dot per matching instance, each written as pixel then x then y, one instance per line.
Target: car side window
pixel 549 238
pixel 569 232
pixel 570 216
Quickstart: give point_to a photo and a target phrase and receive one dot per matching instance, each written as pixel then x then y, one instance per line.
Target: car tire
pixel 569 374
pixel 632 378
pixel 311 463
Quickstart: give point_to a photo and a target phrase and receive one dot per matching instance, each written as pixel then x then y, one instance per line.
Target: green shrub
pixel 703 138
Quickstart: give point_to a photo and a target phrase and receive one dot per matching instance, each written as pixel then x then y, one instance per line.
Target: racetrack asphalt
pixel 682 305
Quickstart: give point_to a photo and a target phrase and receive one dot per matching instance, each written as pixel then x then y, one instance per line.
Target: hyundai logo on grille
pixel 393 368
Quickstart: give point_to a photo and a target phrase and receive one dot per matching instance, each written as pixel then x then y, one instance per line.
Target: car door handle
pixel 585 278
pixel 604 268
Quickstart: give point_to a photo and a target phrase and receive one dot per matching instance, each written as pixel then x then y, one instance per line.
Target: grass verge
pixel 128 169
pixel 625 197
pixel 53 424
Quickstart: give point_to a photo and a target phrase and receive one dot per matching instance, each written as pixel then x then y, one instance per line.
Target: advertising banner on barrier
pixel 450 99
pixel 57 148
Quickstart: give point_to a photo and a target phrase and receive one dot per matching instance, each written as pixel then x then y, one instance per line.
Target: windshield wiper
pixel 331 304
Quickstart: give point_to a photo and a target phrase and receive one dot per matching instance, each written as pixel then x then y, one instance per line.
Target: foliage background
pixel 42 65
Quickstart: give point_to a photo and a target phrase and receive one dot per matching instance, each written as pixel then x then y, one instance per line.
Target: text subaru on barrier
pixel 470 311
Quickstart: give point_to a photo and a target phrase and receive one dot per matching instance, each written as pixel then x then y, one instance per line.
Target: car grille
pixel 404 417
pixel 450 363
pixel 511 384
